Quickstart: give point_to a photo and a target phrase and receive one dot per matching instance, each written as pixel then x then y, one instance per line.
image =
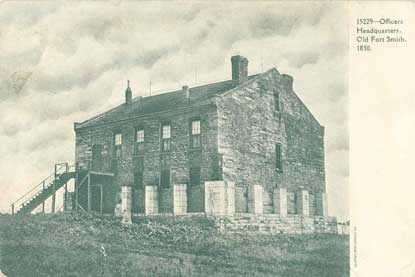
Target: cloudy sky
pixel 62 62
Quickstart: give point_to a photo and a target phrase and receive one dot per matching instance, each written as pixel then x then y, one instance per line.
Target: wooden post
pixel 43 202
pixel 53 190
pixel 76 188
pixel 12 208
pixel 53 196
pixel 89 192
pixel 101 197
pixel 66 197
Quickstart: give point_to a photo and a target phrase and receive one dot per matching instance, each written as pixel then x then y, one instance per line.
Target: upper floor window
pixel 139 141
pixel 117 144
pixel 276 102
pixel 278 156
pixel 165 137
pixel 96 152
pixel 195 134
pixel 118 139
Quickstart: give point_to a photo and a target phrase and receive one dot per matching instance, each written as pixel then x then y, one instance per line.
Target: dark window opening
pixel 165 178
pixel 195 176
pixel 96 152
pixel 96 156
pixel 217 167
pixel 138 179
pixel 276 102
pixel 278 157
pixel 196 141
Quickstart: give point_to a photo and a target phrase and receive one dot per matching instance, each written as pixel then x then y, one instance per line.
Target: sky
pixel 63 62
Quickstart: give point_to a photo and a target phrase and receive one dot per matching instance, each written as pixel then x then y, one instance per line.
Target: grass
pixel 83 245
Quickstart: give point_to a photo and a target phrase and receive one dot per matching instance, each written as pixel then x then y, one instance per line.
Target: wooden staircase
pixel 45 189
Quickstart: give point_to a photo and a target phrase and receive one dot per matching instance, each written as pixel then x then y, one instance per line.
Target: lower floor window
pixel 138 179
pixel 196 141
pixel 117 151
pixel 165 178
pixel 195 176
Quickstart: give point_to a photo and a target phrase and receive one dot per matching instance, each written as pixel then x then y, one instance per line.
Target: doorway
pixel 97 194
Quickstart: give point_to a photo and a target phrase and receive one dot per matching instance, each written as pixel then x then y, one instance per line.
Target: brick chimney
pixel 239 68
pixel 128 94
pixel 186 92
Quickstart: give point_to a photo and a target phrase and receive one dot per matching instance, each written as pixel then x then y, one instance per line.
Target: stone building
pixel 248 144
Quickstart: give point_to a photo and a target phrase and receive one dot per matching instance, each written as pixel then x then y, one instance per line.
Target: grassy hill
pixel 83 245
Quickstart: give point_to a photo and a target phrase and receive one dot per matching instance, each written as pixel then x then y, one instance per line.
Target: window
pixel 195 134
pixel 96 156
pixel 278 156
pixel 138 172
pixel 117 144
pixel 165 178
pixel 217 167
pixel 276 102
pixel 139 141
pixel 195 176
pixel 165 139
pixel 96 152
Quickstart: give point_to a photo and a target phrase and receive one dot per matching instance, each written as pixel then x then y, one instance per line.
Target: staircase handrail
pixel 33 188
pixel 41 183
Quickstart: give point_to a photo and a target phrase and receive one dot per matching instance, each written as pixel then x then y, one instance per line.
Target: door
pixel 96 197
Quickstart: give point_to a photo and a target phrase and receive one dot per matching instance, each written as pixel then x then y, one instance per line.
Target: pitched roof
pixel 160 102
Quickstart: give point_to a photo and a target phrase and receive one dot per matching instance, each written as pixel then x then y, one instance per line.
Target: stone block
pixel 230 198
pixel 280 201
pixel 126 201
pixel 151 200
pixel 179 199
pixel 303 205
pixel 219 198
pixel 255 200
pixel 321 204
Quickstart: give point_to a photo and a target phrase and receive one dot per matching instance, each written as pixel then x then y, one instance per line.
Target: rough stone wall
pixel 196 199
pixel 312 203
pixel 273 223
pixel 180 158
pixel 249 129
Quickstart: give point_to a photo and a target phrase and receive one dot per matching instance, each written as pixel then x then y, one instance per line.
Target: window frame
pixel 195 138
pixel 117 152
pixel 165 141
pixel 139 145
